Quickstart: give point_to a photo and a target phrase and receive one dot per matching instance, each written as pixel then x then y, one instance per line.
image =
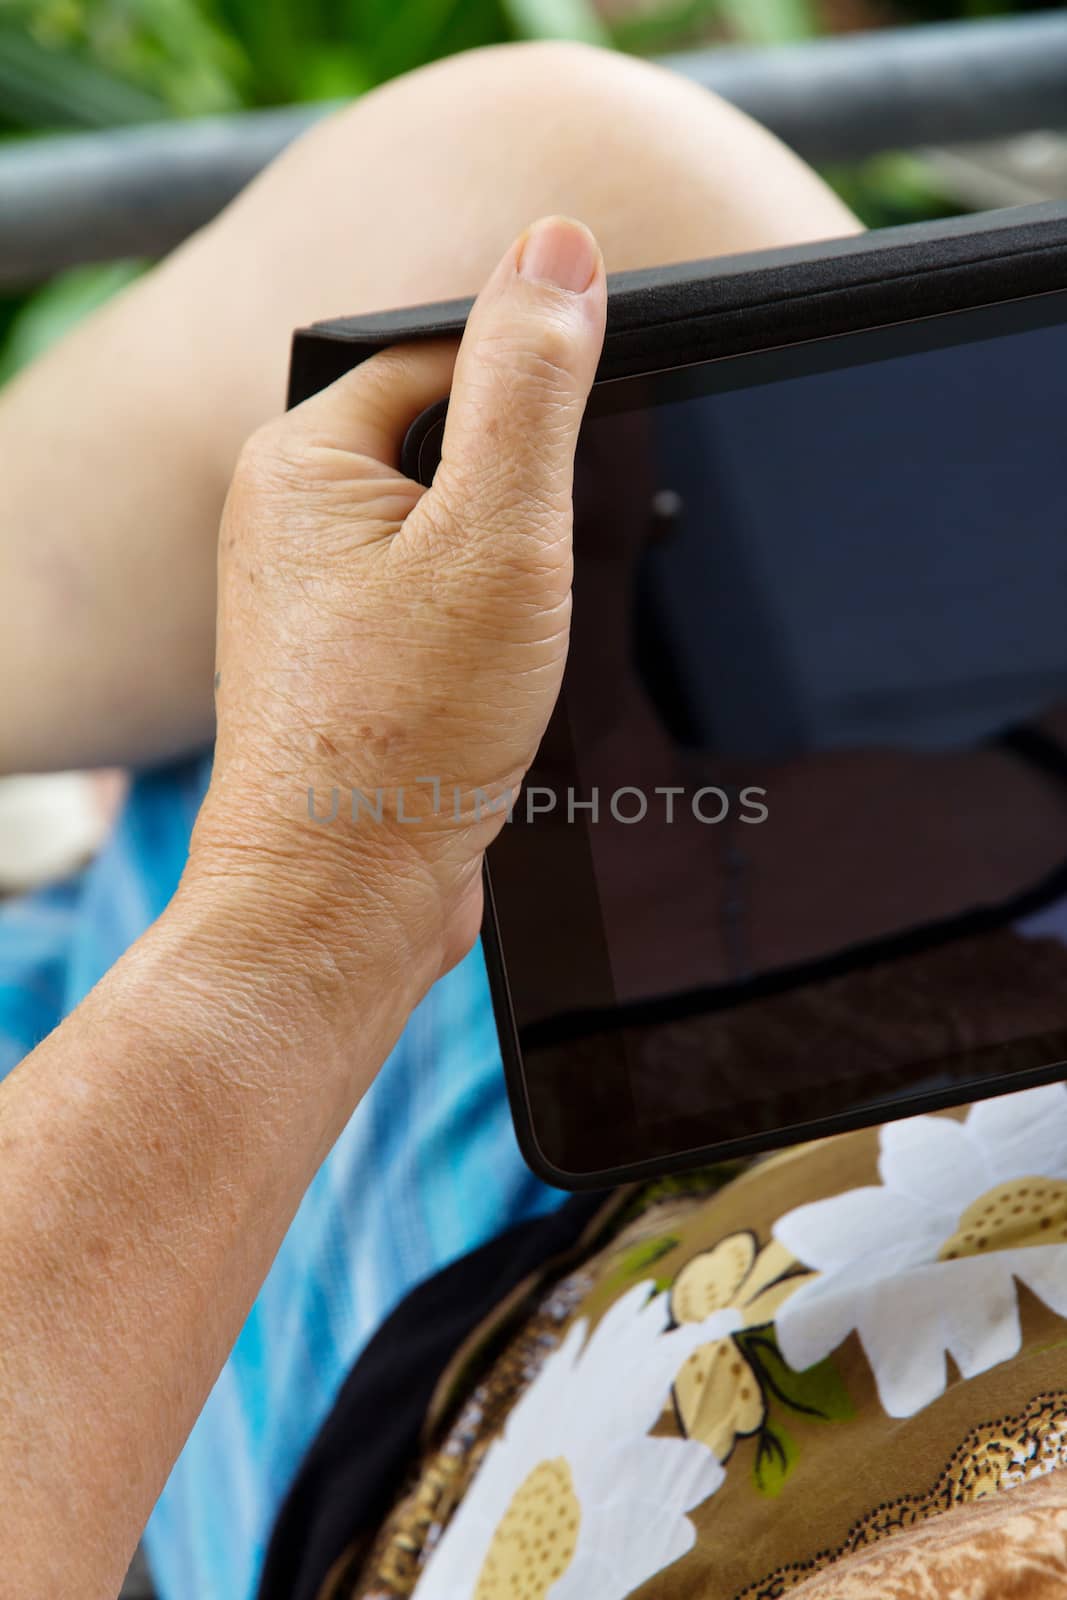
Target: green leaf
pixel 414 33
pixel 472 23
pixel 556 19
pixel 770 21
pixel 274 36
pixel 43 87
pixel 817 1393
pixel 333 74
pixel 175 48
pixel 640 1257
pixel 776 1456
pixel 897 186
pixel 667 27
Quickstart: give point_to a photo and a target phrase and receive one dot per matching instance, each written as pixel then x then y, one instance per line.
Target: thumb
pixel 523 374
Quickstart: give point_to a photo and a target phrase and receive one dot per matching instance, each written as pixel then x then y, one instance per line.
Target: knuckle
pixel 500 536
pixel 267 508
pixel 371 385
pixel 511 500
pixel 376 379
pixel 272 458
pixel 444 517
pixel 535 359
pixel 550 355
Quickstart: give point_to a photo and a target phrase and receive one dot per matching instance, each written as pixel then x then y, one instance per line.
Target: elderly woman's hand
pixel 371 636
pixel 395 652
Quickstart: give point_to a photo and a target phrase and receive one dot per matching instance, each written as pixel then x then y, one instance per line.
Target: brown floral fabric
pixel 845 1365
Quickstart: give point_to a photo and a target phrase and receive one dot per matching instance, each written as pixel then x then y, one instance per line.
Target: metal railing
pixel 139 191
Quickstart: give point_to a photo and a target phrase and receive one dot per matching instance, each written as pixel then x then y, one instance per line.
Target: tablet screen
pixel 795 845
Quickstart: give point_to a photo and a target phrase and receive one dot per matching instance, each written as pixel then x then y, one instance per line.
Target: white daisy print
pixel 926 1264
pixel 575 1499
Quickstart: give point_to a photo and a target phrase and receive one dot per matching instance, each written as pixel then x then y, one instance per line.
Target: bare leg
pixel 116 449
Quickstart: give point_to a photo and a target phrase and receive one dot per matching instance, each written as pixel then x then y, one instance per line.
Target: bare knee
pixel 427 179
pixel 412 194
pixel 662 169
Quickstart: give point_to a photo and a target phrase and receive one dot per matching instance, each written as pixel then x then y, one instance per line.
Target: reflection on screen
pixel 809 771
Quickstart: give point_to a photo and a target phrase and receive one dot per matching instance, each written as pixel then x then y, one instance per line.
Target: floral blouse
pixel 768 1380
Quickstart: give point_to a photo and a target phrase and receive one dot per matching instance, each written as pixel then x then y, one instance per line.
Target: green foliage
pixel 771 21
pixel 637 1261
pixel 676 23
pixel 817 1393
pixel 776 1456
pixel 43 86
pixel 557 19
pixel 94 63
pixel 890 188
pixel 97 63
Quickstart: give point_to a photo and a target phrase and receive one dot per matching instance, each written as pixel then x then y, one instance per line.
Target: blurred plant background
pixel 84 64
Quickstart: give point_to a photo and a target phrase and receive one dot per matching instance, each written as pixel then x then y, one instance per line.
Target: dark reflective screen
pixel 796 841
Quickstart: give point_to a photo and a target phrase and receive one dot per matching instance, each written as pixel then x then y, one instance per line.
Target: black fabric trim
pixel 732 305
pixel 356 1467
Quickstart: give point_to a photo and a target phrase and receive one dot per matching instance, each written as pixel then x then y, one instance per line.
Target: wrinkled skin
pixel 373 634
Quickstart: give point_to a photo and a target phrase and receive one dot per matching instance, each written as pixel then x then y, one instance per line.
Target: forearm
pixel 154 1151
pixel 156 1146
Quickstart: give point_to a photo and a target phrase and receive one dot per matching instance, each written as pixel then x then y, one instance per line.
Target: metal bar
pixel 844 98
pixel 130 191
pixel 140 191
pixel 1009 172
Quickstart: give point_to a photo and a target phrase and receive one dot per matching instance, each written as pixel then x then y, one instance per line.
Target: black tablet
pixel 793 854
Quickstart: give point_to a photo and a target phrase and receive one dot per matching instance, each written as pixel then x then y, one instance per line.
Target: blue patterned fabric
pixel 427 1169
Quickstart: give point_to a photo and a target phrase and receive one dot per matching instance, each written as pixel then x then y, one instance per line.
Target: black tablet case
pixel 731 305
pixel 735 305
